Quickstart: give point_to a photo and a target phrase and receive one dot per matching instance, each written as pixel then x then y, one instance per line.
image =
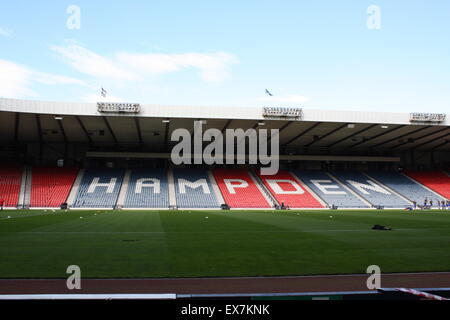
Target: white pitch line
pixel 165 296
pixel 29 216
pixel 189 232
pixel 430 273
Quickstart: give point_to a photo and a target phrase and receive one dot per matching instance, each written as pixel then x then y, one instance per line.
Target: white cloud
pixel 135 66
pixel 51 79
pixel 90 63
pixel 126 72
pixel 15 80
pixel 213 67
pixel 5 32
pixel 292 99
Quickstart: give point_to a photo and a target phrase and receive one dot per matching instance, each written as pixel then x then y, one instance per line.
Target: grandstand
pixel 50 186
pixel 194 189
pixel 206 189
pixel 53 153
pixel 10 183
pixel 99 188
pixel 437 181
pixel 405 187
pixel 130 213
pixel 331 190
pixel 146 188
pixel 375 193
pixel 275 153
pixel 240 189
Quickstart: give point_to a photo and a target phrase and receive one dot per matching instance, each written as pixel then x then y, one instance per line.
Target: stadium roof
pixel 320 130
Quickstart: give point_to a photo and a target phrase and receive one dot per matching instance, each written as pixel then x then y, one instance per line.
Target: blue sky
pixel 316 54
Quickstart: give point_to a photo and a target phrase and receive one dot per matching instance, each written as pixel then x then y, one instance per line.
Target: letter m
pixel 200 183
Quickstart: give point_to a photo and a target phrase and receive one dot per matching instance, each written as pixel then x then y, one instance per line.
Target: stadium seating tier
pixel 99 188
pixel 435 180
pixel 330 190
pixel 239 189
pixel 10 181
pixel 51 186
pixel 288 190
pixel 405 186
pixel 370 190
pixel 147 188
pixel 194 189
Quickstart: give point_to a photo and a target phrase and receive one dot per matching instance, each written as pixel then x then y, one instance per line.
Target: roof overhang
pixel 317 130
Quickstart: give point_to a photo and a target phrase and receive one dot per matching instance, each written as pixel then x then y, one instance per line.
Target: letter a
pixel 374 19
pixel 74 280
pixel 74 20
pixel 374 280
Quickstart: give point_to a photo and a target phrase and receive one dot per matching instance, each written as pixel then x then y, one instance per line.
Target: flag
pixel 104 93
pixel 268 92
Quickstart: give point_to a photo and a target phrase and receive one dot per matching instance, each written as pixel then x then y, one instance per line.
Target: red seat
pixel 434 180
pixel 51 186
pixel 288 190
pixel 10 180
pixel 239 190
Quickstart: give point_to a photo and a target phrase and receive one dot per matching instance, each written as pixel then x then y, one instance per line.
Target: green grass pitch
pixel 146 244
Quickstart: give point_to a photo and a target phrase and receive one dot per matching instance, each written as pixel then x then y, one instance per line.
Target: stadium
pixel 94 185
